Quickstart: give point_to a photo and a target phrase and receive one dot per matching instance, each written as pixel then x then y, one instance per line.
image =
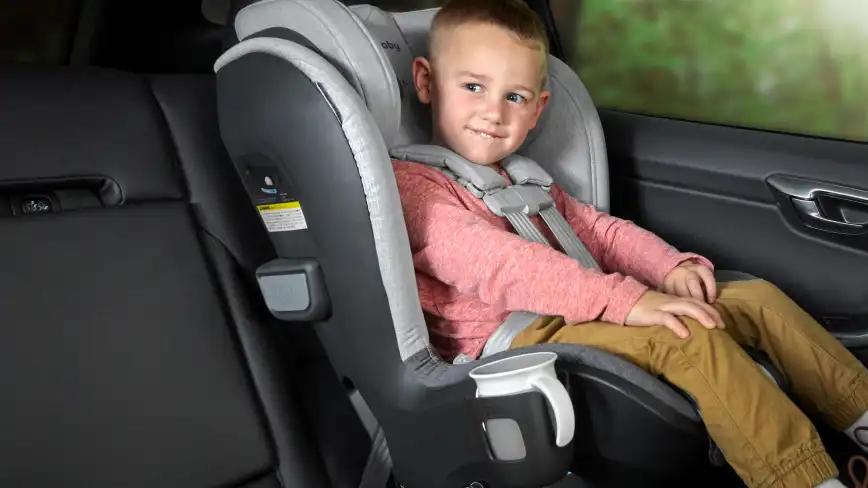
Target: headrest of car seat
pixel 339 36
pixel 403 37
pixel 375 49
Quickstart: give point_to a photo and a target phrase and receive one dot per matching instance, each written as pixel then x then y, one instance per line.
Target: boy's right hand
pixel 654 308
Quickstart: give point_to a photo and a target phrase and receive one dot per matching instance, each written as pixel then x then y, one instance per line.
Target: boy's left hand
pixel 687 280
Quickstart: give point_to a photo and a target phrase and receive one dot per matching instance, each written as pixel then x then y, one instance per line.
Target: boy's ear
pixel 542 101
pixel 422 79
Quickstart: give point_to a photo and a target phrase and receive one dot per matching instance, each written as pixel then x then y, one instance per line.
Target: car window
pixel 798 66
pixel 37 31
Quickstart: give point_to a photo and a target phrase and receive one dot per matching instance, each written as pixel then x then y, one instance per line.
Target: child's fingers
pixel 692 309
pixel 710 283
pixel 672 323
pixel 683 288
pixel 713 313
pixel 669 287
pixel 711 317
pixel 694 286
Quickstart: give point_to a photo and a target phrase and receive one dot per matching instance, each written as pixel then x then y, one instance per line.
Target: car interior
pixel 218 333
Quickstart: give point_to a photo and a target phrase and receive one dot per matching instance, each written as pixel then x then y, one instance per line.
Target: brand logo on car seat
pixel 389 45
pixel 269 190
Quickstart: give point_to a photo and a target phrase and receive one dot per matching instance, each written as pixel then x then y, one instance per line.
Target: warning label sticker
pixel 282 217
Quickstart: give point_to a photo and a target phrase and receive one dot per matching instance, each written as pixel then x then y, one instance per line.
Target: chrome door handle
pixel 825 206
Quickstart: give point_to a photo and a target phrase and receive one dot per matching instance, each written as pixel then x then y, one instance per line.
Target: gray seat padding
pixel 133 354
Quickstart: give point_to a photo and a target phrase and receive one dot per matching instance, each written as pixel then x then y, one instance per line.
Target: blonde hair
pixel 514 16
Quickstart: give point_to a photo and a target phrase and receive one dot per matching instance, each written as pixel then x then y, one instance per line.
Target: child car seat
pixel 310 101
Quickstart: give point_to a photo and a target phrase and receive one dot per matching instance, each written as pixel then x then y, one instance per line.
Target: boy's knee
pixel 770 295
pixel 755 290
pixel 766 287
pixel 700 333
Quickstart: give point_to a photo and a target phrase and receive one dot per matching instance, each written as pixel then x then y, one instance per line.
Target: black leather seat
pixel 132 353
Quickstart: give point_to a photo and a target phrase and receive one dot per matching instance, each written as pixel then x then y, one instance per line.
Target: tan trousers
pixel 763 435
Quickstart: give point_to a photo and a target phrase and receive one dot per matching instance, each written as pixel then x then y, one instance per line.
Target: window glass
pixel 37 31
pixel 797 66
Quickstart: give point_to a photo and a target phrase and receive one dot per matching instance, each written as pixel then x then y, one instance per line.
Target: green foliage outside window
pixel 797 66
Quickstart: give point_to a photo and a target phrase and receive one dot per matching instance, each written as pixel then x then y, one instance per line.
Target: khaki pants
pixel 763 435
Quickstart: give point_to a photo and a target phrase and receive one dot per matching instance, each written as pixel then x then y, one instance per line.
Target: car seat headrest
pixel 374 50
pixel 403 37
pixel 339 36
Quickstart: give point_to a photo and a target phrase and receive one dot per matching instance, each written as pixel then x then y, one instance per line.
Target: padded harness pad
pixel 525 171
pixel 482 177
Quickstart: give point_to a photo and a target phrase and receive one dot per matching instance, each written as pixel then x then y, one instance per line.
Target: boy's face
pixel 484 89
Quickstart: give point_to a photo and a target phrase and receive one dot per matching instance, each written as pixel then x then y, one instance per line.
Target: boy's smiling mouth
pixel 484 134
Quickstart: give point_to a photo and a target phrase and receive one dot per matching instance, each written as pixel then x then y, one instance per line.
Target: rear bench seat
pixel 131 353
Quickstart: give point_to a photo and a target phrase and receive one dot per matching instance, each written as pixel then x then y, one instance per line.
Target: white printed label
pixel 282 217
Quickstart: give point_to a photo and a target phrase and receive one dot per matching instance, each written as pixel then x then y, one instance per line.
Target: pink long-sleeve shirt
pixel 472 270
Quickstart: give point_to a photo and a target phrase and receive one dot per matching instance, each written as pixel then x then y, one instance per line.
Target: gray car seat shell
pixel 313 95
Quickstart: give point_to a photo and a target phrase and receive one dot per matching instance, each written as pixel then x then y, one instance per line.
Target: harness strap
pixel 528 196
pixel 525 228
pixel 567 238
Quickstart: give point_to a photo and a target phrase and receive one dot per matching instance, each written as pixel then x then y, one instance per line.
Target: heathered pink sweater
pixel 472 270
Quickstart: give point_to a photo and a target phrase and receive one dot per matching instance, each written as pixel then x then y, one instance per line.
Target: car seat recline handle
pixel 825 206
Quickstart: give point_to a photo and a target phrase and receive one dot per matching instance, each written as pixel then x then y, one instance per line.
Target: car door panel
pixel 722 191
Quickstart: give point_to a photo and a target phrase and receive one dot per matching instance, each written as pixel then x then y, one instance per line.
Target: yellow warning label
pixel 279 206
pixel 281 217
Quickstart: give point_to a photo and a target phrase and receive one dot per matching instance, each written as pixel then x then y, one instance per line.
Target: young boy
pixel 484 83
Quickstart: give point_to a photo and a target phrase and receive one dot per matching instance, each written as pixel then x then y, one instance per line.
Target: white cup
pixel 520 374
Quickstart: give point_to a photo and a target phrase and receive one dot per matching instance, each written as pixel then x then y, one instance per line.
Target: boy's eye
pixel 474 87
pixel 515 98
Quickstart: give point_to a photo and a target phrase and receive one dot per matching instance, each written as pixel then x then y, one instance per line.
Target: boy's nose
pixel 493 111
